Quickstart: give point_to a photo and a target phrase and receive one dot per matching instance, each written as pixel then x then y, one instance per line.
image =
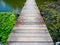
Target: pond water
pixel 6 7
pixel 0 43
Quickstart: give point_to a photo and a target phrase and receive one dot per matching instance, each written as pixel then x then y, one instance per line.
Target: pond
pixel 5 7
pixel 11 6
pixel 0 43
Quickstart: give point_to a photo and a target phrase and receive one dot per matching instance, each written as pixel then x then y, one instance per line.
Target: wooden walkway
pixel 30 28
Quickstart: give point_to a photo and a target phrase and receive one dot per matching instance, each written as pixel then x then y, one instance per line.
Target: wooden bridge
pixel 30 28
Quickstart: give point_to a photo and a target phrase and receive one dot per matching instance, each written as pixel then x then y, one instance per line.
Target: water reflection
pixel 4 7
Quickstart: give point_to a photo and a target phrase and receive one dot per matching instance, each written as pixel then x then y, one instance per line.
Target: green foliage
pixel 51 14
pixel 7 21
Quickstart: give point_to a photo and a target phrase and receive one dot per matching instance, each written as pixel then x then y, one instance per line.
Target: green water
pixel 15 3
pixel 42 1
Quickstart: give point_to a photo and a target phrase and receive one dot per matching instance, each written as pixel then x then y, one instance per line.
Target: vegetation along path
pixel 30 28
